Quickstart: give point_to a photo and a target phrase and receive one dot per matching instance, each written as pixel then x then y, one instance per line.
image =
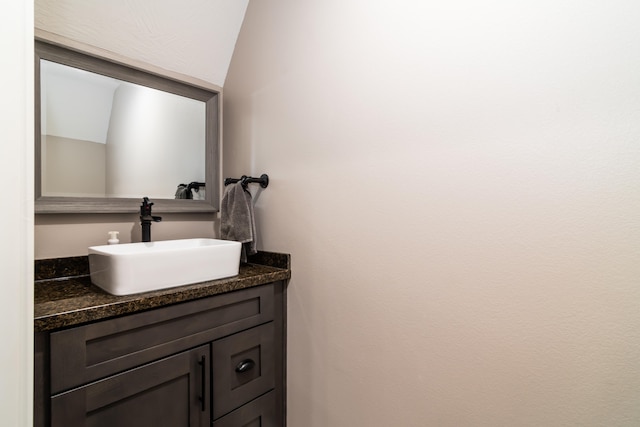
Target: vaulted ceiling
pixel 191 37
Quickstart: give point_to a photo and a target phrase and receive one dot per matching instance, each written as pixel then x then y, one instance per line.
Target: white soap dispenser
pixel 113 238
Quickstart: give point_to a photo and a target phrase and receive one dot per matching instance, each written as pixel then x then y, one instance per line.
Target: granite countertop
pixel 65 296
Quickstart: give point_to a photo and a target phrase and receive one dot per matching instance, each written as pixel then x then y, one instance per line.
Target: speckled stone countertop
pixel 65 296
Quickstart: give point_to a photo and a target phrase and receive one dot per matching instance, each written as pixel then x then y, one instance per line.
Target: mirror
pixel 108 135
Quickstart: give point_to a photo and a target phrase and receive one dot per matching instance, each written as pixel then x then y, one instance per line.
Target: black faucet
pixel 146 218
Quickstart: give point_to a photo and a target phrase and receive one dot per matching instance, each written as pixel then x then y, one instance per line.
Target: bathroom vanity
pixel 212 353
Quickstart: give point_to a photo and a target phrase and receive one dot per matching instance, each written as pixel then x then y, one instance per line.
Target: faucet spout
pixel 146 219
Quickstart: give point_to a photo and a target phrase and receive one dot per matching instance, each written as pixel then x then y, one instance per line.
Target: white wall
pixel 458 185
pixel 154 158
pixel 16 249
pixel 71 91
pixel 191 37
pixel 71 167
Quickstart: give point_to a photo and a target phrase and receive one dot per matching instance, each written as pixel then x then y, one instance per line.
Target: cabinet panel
pixel 243 368
pixel 258 413
pixel 144 369
pixel 167 393
pixel 87 353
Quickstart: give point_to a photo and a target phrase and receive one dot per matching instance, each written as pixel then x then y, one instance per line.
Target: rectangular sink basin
pixel 132 268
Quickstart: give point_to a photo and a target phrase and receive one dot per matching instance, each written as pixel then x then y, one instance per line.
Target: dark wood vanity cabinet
pixel 215 361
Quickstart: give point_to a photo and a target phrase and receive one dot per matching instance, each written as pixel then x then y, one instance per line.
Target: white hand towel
pixel 236 219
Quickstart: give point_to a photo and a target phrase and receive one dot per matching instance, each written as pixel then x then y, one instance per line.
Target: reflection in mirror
pixel 103 137
pixel 108 135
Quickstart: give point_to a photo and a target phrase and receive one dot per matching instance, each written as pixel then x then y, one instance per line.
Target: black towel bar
pixel 184 191
pixel 263 180
pixel 195 185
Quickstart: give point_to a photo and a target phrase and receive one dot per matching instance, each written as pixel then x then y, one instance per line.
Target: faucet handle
pixel 145 207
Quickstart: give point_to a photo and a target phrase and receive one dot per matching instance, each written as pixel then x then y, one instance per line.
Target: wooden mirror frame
pixel 77 59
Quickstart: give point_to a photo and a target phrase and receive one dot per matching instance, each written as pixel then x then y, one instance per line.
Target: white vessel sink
pixel 141 267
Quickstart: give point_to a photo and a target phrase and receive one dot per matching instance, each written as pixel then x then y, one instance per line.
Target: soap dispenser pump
pixel 113 238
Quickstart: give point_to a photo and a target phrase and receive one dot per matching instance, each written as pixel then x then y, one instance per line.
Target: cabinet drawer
pixel 90 352
pixel 243 368
pixel 259 413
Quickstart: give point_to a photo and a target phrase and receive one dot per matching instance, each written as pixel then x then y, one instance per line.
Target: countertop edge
pixel 92 304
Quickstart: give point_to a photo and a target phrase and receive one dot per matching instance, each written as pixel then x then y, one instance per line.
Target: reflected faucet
pixel 146 218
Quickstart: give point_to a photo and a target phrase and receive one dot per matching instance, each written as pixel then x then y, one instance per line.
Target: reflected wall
pixel 103 137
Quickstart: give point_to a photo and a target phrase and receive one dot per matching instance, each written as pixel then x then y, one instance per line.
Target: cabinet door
pixel 167 393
